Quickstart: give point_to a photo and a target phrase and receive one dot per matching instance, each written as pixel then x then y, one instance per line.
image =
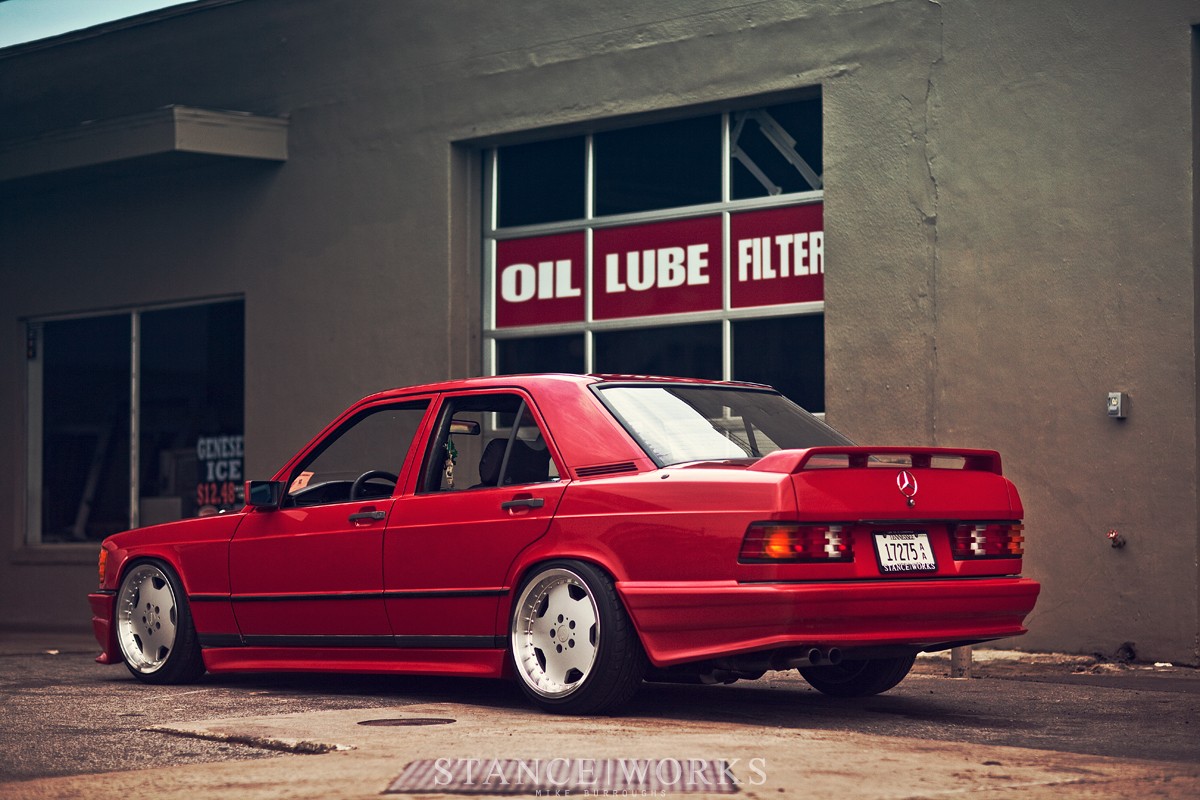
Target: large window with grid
pixel 691 247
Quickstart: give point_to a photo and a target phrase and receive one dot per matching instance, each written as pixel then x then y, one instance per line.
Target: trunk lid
pixel 896 483
pixel 888 513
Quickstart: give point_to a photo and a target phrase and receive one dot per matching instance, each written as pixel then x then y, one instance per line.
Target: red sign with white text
pixel 539 281
pixel 658 268
pixel 776 256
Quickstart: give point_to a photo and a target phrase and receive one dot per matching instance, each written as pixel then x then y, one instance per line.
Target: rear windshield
pixel 675 424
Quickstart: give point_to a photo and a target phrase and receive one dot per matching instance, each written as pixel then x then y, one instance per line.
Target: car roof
pixel 533 380
pixel 586 436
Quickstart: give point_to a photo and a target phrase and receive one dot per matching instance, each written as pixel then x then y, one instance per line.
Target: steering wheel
pixel 361 481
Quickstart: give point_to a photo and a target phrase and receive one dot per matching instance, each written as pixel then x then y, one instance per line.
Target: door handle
pixel 524 502
pixel 366 515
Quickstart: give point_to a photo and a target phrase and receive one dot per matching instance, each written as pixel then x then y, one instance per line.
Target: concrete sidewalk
pixel 335 754
pixel 364 760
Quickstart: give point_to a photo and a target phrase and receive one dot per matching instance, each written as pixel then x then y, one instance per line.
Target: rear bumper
pixel 103 625
pixel 682 622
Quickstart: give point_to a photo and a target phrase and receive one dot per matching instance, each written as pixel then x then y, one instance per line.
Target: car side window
pixel 360 460
pixel 486 440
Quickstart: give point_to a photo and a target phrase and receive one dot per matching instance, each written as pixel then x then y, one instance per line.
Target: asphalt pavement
pixel 1022 725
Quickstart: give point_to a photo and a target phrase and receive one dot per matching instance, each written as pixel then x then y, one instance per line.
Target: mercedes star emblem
pixel 907 485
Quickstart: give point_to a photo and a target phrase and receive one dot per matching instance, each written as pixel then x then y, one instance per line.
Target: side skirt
pixel 326 641
pixel 431 659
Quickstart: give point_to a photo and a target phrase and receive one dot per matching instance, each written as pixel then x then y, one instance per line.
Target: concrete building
pixel 950 223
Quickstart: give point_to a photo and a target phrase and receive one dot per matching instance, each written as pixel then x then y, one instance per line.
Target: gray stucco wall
pixel 1028 193
pixel 1065 269
pixel 1009 232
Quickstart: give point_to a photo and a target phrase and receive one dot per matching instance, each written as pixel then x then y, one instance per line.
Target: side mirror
pixel 265 495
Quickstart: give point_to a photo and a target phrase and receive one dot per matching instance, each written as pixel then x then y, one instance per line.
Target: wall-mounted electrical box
pixel 1118 405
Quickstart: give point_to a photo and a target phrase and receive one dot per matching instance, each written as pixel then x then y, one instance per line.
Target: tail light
pixel 102 563
pixel 988 540
pixel 787 542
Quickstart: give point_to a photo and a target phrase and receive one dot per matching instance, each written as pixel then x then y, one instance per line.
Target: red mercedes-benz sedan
pixel 582 534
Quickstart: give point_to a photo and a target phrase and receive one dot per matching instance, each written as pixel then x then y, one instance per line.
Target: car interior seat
pixel 526 464
pixel 490 463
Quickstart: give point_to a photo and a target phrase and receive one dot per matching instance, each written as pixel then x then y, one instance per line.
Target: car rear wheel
pixel 154 626
pixel 573 646
pixel 858 678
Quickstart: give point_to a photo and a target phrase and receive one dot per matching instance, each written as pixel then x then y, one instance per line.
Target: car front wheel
pixel 154 626
pixel 574 648
pixel 858 678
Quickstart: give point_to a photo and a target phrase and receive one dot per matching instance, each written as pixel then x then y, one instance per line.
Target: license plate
pixel 904 551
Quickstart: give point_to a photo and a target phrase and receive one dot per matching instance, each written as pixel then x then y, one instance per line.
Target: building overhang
pixel 170 132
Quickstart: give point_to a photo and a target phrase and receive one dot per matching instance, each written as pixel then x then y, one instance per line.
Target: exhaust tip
pixel 814 656
pixel 834 655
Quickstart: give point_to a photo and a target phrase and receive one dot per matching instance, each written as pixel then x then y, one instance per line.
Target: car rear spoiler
pixel 793 461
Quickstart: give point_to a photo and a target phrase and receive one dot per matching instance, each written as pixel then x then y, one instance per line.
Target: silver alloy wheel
pixel 555 633
pixel 147 618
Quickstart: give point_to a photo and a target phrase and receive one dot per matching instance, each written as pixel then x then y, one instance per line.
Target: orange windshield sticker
pixel 301 481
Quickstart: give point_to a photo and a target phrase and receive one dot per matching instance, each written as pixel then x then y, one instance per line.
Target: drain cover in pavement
pixel 559 776
pixel 404 722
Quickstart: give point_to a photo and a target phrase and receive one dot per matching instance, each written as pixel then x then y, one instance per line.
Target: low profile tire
pixel 574 648
pixel 154 626
pixel 858 678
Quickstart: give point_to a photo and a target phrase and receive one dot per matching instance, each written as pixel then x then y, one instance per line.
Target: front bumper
pixel 684 622
pixel 104 625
